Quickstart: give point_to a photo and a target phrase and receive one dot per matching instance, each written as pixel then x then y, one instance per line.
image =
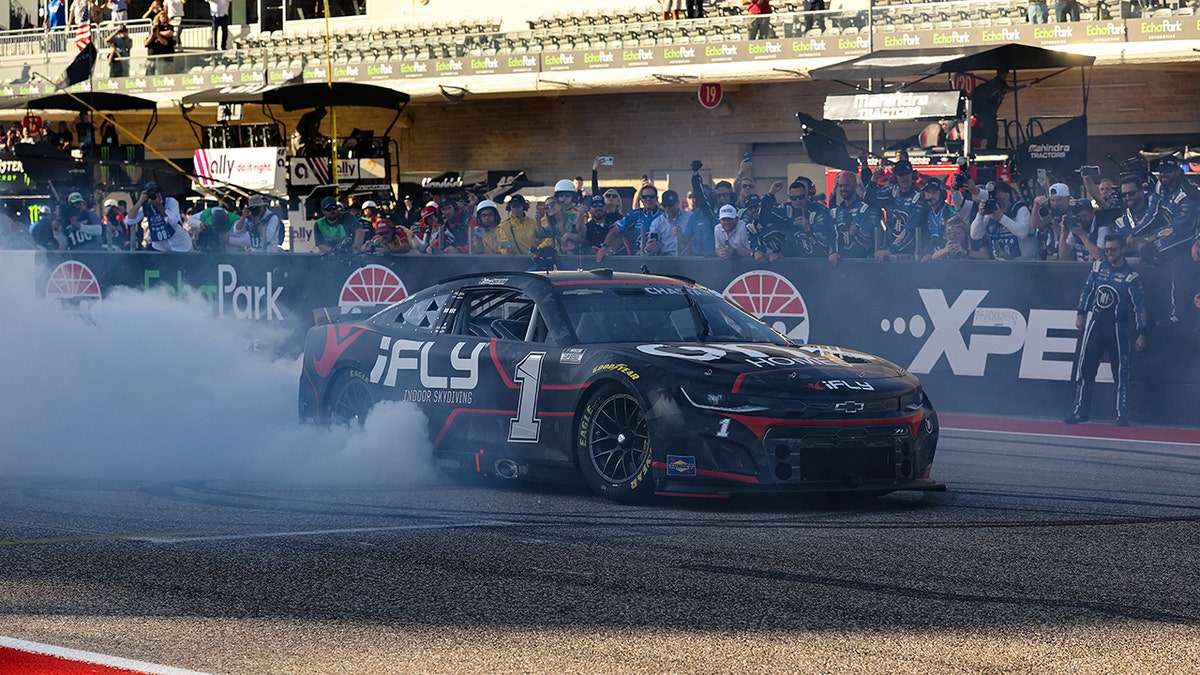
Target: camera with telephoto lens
pixel 990 206
pixel 545 258
pixel 1045 211
pixel 961 179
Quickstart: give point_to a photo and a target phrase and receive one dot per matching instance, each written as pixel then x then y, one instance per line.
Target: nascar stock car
pixel 643 384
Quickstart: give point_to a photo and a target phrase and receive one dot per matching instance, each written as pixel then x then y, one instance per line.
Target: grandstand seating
pixel 619 27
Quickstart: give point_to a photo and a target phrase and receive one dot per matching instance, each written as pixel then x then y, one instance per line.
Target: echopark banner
pixel 986 338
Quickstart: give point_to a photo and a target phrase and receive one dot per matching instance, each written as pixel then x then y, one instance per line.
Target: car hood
pixel 775 369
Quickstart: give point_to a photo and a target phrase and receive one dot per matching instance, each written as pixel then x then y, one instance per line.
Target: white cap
pixel 1060 190
pixel 109 202
pixel 728 211
pixel 370 205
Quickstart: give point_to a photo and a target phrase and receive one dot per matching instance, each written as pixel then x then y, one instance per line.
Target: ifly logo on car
pixel 73 285
pixel 370 286
pixel 1041 339
pixel 773 299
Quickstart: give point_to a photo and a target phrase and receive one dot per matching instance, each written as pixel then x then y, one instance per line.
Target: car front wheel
pixel 613 446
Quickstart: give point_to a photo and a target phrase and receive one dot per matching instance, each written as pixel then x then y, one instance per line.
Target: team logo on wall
pixel 773 299
pixel 73 286
pixel 369 286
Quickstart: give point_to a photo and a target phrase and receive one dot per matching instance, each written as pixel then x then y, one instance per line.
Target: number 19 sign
pixel 710 95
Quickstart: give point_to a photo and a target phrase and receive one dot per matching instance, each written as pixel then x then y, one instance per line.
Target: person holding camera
pixel 635 225
pixel 1112 309
pixel 210 228
pixel 118 55
pixel 259 230
pixel 1046 219
pixel 114 224
pixel 1080 232
pixel 163 224
pixel 160 44
pixel 81 227
pixel 958 242
pixel 666 231
pixel 1003 226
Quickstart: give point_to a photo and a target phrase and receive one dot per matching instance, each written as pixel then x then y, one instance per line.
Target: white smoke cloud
pixel 156 388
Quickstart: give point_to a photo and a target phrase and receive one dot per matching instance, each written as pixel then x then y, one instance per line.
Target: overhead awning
pixel 354 94
pixel 82 102
pixel 305 95
pixel 904 64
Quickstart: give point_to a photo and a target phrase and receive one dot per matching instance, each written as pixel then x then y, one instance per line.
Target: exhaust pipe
pixel 507 469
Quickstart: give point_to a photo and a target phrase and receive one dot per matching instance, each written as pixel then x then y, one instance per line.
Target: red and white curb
pixel 84 662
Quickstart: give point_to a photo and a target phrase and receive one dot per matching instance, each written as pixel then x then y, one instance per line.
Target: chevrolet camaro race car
pixel 643 384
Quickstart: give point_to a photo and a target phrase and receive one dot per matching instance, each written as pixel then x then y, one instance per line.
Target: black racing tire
pixel 613 445
pixel 349 400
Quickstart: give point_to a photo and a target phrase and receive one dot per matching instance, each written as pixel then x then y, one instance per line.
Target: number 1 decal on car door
pixel 525 426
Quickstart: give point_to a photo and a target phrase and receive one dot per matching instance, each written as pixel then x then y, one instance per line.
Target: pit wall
pixel 994 338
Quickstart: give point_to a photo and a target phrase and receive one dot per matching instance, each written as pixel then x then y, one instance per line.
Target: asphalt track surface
pixel 1047 554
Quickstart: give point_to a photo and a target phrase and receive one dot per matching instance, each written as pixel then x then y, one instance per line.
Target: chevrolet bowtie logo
pixel 849 406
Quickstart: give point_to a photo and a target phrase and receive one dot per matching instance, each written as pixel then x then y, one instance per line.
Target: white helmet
pixel 564 185
pixel 484 206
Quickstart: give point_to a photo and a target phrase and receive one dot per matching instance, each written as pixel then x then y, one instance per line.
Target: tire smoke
pixel 145 386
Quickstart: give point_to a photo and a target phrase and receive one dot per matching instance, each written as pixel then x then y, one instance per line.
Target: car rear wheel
pixel 349 400
pixel 613 445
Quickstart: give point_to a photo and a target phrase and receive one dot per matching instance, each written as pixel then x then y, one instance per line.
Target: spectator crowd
pixel 882 213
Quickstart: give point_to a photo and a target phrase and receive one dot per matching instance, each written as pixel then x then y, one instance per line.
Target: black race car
pixel 643 384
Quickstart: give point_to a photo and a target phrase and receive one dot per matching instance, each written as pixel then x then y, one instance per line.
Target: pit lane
pixel 1047 554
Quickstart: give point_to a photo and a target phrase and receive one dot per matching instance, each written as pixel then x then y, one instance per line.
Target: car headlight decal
pixel 720 402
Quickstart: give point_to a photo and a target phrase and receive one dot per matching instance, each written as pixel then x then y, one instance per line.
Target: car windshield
pixel 660 313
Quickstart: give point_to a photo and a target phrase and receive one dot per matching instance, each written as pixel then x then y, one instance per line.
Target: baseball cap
pixel 1168 163
pixel 517 200
pixel 151 186
pixel 598 200
pixel 670 198
pixel 1060 190
pixel 109 203
pixel 384 226
pixel 327 203
pixel 728 211
pixel 428 211
pixel 370 205
pixel 257 200
pixel 933 184
pixel 753 202
pixel 75 197
pixel 448 201
pixel 902 167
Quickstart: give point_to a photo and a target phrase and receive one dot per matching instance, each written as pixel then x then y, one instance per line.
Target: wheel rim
pixel 352 404
pixel 617 441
